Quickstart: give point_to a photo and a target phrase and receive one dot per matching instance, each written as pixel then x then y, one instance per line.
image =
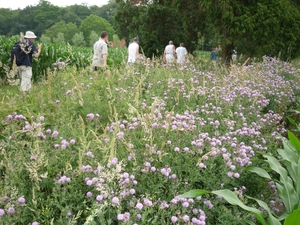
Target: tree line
pixel 76 24
pixel 254 27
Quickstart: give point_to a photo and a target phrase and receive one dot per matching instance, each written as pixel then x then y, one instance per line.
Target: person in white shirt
pixel 169 52
pixel 100 52
pixel 133 50
pixel 181 52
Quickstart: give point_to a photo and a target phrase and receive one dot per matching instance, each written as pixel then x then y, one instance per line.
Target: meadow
pixel 84 148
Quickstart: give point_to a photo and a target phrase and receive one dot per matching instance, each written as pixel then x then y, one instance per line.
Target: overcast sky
pixel 15 4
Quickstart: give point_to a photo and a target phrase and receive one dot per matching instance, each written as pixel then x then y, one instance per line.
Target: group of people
pixel 170 53
pixel 100 51
pixel 27 49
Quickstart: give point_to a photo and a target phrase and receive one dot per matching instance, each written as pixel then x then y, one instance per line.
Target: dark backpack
pixel 17 54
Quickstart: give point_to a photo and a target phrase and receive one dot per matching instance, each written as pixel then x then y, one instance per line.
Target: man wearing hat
pixel 27 50
pixel 133 50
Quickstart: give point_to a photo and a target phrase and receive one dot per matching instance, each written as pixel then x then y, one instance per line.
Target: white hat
pixel 30 34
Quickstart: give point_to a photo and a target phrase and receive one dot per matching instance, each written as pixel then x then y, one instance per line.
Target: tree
pixel 78 39
pixel 46 15
pixel 6 21
pixel 59 39
pixel 45 40
pixel 82 11
pixel 158 22
pixel 25 20
pixel 93 38
pixel 106 11
pixel 69 16
pixel 95 23
pixel 255 27
pixel 68 29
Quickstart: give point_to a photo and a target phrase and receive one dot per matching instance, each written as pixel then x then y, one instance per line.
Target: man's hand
pixel 39 50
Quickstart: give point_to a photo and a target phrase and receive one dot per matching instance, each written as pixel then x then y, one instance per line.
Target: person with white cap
pixel 23 57
pixel 133 50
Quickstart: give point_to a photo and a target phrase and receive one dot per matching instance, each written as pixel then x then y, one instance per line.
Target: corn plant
pixel 80 57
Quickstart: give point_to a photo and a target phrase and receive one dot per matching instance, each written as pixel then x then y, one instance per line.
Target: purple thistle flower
pixel 21 200
pixel 186 218
pixel 55 133
pixel 114 161
pixel 99 198
pixel 89 194
pixel 132 191
pixel 174 219
pixel 68 92
pixel 90 116
pixel 120 216
pixel 115 200
pixel 2 212
pixel 11 210
pixel 139 206
pixel 89 183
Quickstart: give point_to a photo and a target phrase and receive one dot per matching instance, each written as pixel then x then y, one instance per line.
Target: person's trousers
pixel 25 73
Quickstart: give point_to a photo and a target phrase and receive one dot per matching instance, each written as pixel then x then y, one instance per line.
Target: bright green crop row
pixel 80 57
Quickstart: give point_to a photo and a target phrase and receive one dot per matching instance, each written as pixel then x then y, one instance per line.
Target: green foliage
pixel 116 41
pixel 161 122
pixel 158 23
pixel 95 23
pixel 59 39
pixel 68 29
pixel 79 57
pixel 45 39
pixel 106 11
pixel 255 28
pixel 41 17
pixel 288 185
pixel 93 38
pixel 293 219
pixel 78 39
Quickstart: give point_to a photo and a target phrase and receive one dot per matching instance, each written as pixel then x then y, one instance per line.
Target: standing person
pixel 219 51
pixel 181 52
pixel 100 52
pixel 133 50
pixel 234 54
pixel 213 55
pixel 169 52
pixel 22 53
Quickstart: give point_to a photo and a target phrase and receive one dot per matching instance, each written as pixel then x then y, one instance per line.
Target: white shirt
pixel 100 49
pixel 169 49
pixel 132 52
pixel 181 52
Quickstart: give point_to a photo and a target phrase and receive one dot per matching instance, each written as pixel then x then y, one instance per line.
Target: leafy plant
pixel 288 185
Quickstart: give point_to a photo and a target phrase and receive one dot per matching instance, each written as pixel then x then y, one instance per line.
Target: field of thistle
pixel 83 148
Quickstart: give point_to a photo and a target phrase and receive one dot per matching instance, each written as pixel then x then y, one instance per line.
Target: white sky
pixel 15 4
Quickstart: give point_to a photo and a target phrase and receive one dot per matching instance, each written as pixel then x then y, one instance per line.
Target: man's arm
pixel 104 56
pixel 174 50
pixel 137 50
